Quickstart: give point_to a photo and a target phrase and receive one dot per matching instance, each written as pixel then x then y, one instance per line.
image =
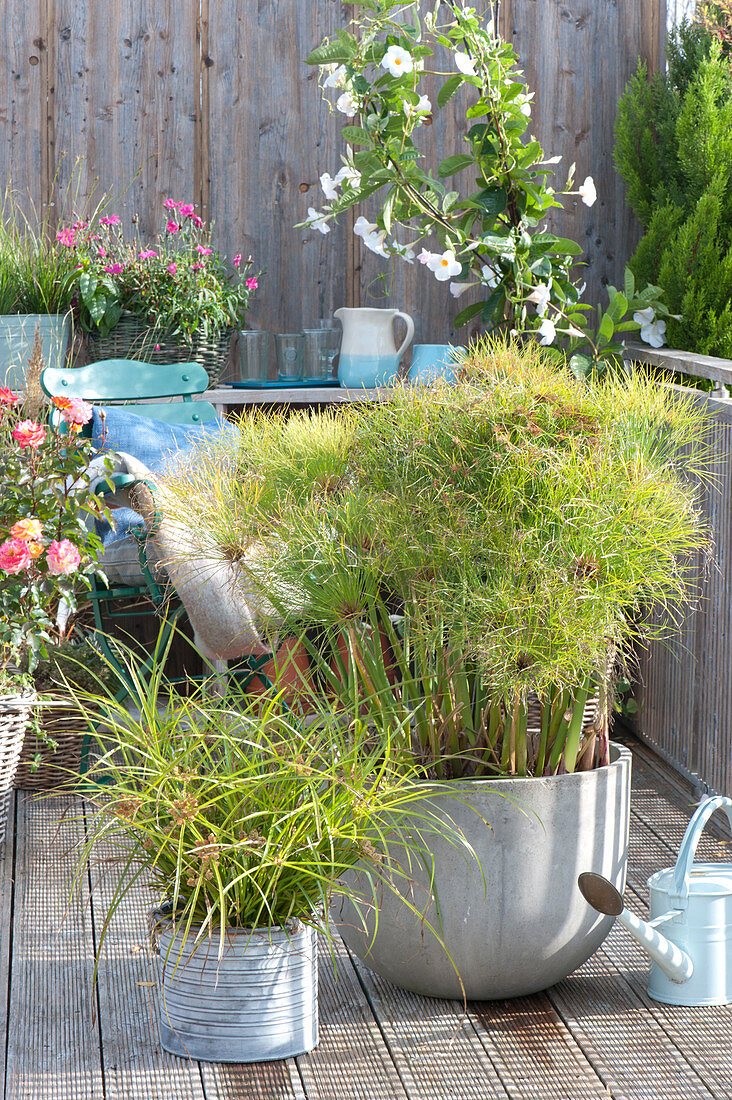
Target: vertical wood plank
pixel 577 59
pixel 22 98
pixel 127 102
pixel 270 139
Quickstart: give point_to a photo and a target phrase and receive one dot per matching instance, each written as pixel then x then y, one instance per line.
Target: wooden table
pixel 227 399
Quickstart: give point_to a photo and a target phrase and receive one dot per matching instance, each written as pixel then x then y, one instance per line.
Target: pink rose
pixel 7 397
pixel 29 434
pixel 172 269
pixel 203 251
pixel 237 259
pixel 62 557
pixel 14 555
pixel 253 283
pixel 186 210
pixel 66 237
pixel 172 226
pixel 149 253
pixel 27 529
pixel 73 410
pixel 110 219
pixel 170 204
pixel 114 269
pixel 198 222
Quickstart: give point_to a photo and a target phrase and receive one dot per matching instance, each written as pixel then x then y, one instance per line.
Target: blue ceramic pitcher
pixel 369 355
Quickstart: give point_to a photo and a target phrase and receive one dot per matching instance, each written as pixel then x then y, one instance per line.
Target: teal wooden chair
pixel 163 393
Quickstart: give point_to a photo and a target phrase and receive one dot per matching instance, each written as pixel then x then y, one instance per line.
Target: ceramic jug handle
pixel 410 332
pixel 679 897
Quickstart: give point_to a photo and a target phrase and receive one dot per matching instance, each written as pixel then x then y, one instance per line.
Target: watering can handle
pixel 410 331
pixel 680 896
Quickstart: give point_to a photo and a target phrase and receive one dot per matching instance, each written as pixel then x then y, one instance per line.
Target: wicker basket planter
pixel 15 714
pixel 58 767
pixel 131 338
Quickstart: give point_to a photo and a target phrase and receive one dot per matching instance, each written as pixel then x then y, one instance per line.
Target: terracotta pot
pixel 290 668
pixel 386 653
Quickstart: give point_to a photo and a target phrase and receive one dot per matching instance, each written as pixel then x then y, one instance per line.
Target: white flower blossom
pixel 397 61
pixel 349 176
pixel 329 186
pixel 424 107
pixel 347 104
pixel 587 192
pixel 363 227
pixel 458 289
pixel 465 63
pixel 425 256
pixel 548 332
pixel 405 251
pixel 318 221
pixel 652 330
pixel 491 277
pixel 444 266
pixel 337 78
pixel 540 296
pixel 375 241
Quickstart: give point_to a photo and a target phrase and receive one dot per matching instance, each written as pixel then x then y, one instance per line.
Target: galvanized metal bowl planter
pixel 257 1003
pixel 512 921
pixel 17 336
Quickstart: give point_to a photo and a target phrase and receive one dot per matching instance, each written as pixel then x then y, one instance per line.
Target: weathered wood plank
pixel 53 1047
pixel 270 138
pixel 23 74
pixel 685 362
pixel 265 1081
pixel 127 102
pixel 136 1067
pixel 351 1060
pixel 577 87
pixel 426 1038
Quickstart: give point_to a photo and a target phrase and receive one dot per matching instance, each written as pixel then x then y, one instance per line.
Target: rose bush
pixel 179 284
pixel 47 554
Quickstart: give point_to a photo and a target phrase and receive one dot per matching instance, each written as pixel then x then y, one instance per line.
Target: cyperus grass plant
pixel 236 815
pixel 505 539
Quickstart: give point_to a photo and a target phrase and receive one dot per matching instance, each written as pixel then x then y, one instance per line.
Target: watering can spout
pixel 602 896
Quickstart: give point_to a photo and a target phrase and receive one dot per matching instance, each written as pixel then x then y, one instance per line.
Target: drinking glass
pixel 321 348
pixel 290 347
pixel 253 355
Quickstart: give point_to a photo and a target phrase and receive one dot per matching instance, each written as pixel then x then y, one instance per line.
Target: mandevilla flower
pixel 587 192
pixel 397 61
pixel 363 226
pixel 540 296
pixel 652 331
pixel 348 176
pixel 347 104
pixel 29 434
pixel 318 221
pixel 548 332
pixel 15 557
pixel 62 557
pixel 444 266
pixel 329 186
pixel 464 63
pixel 337 78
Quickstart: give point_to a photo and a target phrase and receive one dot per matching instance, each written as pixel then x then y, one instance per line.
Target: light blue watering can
pixel 692 902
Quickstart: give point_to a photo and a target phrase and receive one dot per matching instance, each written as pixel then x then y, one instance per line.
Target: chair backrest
pixel 137 385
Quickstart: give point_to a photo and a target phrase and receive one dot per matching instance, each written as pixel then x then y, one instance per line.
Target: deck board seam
pixel 8 955
pixel 92 917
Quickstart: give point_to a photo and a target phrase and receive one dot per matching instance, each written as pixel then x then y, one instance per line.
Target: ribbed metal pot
pixel 256 1003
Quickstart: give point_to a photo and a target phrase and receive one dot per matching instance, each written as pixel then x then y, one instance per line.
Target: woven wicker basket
pixel 131 338
pixel 58 767
pixel 15 714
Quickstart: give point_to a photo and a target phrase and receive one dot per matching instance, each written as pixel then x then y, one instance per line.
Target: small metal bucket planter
pixel 257 1003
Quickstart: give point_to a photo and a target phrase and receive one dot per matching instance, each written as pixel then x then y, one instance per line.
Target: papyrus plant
pixel 461 555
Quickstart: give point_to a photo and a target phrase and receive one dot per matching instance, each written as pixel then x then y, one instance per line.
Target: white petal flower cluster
pixel 652 331
pixel 424 107
pixel 318 221
pixel 347 103
pixel 346 175
pixel 337 77
pixel 465 63
pixel 397 61
pixel 587 192
pixel 548 332
pixel 372 237
pixel 540 296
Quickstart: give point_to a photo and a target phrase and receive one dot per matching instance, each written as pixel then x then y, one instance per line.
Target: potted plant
pixel 47 556
pixel 34 293
pixel 243 820
pixel 166 301
pixel 510 537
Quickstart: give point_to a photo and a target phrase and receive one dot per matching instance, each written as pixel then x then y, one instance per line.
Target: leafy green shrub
pixel 674 151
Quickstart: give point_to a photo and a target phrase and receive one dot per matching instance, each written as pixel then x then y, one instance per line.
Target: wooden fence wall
pixel 686 683
pixel 209 101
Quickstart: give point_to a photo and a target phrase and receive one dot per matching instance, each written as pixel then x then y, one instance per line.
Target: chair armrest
pixel 141 495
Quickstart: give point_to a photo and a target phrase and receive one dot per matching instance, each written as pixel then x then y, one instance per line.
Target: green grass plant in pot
pixel 506 540
pixel 242 820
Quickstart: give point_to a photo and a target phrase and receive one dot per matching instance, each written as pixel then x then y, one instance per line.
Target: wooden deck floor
pixel 596 1035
